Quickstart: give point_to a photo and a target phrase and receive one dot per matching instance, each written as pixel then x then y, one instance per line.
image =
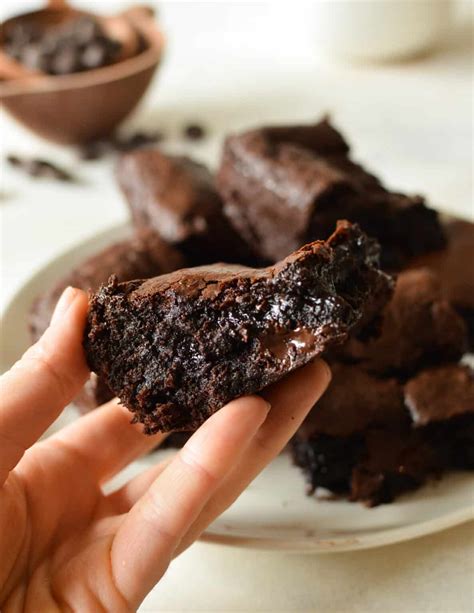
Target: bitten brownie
pixel 177 348
pixel 372 439
pixel 145 255
pixel 176 198
pixel 285 186
pixel 419 328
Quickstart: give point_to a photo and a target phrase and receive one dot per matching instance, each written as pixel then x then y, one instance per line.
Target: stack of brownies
pixel 400 407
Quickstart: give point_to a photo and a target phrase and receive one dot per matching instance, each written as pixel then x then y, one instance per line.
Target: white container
pixel 379 30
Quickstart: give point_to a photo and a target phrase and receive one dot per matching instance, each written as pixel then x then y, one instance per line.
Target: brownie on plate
pixel 176 198
pixel 441 400
pixel 142 256
pixel 371 439
pixel 419 327
pixel 285 186
pixel 178 347
pixel 455 268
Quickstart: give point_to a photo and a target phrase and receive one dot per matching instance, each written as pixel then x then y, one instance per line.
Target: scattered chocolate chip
pixel 139 139
pixel 13 160
pixel 194 131
pixel 96 150
pixel 36 167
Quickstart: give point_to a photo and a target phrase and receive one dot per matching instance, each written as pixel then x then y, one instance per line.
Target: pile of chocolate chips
pixel 78 45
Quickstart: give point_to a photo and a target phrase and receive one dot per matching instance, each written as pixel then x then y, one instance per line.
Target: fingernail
pixel 268 405
pixel 63 304
pixel 327 370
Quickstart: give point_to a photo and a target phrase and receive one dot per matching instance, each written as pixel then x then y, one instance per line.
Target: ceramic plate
pixel 274 512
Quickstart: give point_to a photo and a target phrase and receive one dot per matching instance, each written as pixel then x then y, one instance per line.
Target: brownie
pixel 371 439
pixel 441 393
pixel 284 186
pixel 142 256
pixel 178 347
pixel 332 441
pixel 354 401
pixel 390 464
pixel 455 268
pixel 419 327
pixel 441 401
pixel 176 198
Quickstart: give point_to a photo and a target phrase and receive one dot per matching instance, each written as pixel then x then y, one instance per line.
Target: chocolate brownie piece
pixel 455 268
pixel 177 348
pixel 441 393
pixel 390 464
pixel 354 401
pixel 359 440
pixel 419 327
pixel 176 198
pixel 441 400
pixel 332 440
pixel 142 256
pixel 372 439
pixel 285 186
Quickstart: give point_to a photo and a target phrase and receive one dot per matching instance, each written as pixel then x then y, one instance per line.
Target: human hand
pixel 64 544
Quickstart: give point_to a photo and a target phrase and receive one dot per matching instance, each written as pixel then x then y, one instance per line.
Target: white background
pixel 232 65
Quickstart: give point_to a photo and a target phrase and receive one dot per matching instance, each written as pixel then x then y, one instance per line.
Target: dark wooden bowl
pixel 85 106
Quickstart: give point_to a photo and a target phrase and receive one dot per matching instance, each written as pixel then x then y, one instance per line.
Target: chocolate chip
pixel 13 160
pixel 194 131
pixel 64 61
pixel 95 150
pixel 93 56
pixel 85 30
pixel 139 139
pixel 32 56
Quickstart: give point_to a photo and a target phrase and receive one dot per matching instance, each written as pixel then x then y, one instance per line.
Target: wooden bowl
pixel 81 107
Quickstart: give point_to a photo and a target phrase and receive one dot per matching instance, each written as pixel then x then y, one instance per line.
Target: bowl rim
pixel 145 60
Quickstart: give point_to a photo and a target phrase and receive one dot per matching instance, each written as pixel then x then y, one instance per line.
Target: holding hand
pixel 64 544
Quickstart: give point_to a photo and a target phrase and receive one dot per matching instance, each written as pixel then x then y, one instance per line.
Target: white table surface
pixel 232 65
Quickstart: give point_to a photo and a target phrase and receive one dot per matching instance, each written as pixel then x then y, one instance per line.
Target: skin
pixel 64 544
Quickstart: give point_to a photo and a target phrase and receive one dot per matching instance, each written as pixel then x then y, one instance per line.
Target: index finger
pixel 43 381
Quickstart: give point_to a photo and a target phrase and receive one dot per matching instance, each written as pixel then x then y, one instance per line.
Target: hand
pixel 64 544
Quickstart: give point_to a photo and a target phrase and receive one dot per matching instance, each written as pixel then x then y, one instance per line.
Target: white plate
pixel 274 512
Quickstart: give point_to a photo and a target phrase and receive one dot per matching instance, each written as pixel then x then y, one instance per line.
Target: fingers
pixel 148 536
pixel 291 400
pixel 47 377
pixel 106 439
pixel 123 499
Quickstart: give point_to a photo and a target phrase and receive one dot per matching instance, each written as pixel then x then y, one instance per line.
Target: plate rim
pixel 316 545
pixel 307 545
